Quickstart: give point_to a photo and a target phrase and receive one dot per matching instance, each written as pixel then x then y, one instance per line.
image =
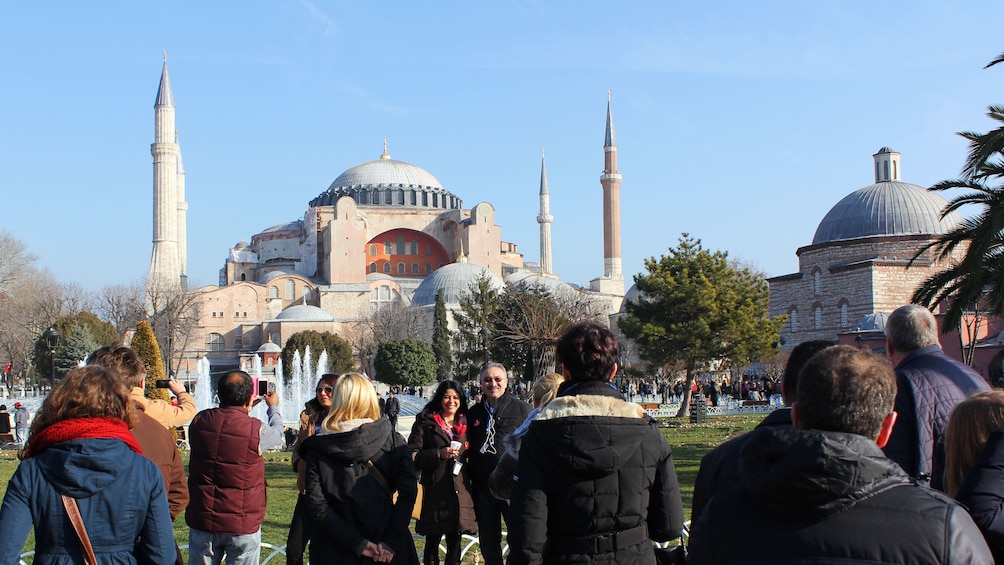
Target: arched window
pixel 388 248
pixel 388 195
pixel 414 247
pixel 373 249
pixel 793 320
pixel 400 196
pixel 401 250
pixel 414 268
pixel 373 267
pixel 817 317
pixel 386 267
pixel 273 292
pixel 816 286
pixel 843 315
pixel 306 293
pixel 428 268
pixel 400 268
pixel 214 342
pixel 290 290
pixel 244 276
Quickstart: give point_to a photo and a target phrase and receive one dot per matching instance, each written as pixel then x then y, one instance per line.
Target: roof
pixel 455 280
pixel 304 313
pixel 886 208
pixel 371 183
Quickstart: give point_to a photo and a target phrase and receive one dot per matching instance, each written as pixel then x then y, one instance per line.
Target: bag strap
pixel 378 476
pixel 78 525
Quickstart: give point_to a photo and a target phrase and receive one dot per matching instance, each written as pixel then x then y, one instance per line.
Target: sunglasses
pixel 325 389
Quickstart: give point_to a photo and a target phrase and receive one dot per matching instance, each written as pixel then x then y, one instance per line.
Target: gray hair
pixel 492 365
pixel 911 327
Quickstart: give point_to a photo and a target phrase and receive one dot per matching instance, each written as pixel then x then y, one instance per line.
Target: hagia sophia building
pixel 385 233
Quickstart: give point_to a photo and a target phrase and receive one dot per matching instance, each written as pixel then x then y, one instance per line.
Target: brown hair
pixel 122 361
pixel 85 392
pixel 843 389
pixel 969 426
pixel 352 398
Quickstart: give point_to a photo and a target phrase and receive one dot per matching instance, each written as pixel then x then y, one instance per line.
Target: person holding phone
pixel 169 415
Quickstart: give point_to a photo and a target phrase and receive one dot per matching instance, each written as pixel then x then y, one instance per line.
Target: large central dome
pixel 386 182
pixel 888 207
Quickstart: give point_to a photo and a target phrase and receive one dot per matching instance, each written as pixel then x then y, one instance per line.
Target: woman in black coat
pixel 439 442
pixel 355 465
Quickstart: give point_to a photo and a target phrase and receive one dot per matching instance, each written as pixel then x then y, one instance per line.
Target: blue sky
pixel 741 123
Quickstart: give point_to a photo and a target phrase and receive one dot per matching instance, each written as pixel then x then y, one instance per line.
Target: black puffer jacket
pixel 447 507
pixel 349 504
pixel 826 497
pixel 595 483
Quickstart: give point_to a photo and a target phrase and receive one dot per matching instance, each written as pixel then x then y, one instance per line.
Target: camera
pixel 263 387
pixel 163 383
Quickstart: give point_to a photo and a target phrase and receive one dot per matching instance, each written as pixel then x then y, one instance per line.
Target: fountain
pixel 203 388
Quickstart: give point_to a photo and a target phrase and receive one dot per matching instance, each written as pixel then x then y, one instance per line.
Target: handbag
pixel 416 510
pixel 78 526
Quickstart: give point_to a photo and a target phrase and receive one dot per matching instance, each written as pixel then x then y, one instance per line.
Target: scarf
pixel 459 425
pixel 81 428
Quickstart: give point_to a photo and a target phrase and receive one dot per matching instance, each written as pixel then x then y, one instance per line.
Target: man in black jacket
pixel 720 467
pixel 823 491
pixel 392 408
pixel 489 421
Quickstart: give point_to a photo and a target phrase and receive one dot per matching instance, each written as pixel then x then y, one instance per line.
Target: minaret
pixel 611 182
pixel 544 219
pixel 182 218
pixel 165 262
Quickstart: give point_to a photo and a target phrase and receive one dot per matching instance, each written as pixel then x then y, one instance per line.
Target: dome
pixel 874 322
pixel 304 313
pixel 631 295
pixel 269 347
pixel 387 182
pixel 455 280
pixel 550 283
pixel 886 208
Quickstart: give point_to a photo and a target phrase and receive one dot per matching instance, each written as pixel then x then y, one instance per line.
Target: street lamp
pixel 52 342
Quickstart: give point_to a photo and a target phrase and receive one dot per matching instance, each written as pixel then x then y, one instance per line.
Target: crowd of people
pixel 870 460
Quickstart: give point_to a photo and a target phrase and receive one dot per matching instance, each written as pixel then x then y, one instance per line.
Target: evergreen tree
pixel 74 347
pixel 407 362
pixel 339 351
pixel 476 321
pixel 441 339
pixel 144 343
pixel 694 308
pixel 98 334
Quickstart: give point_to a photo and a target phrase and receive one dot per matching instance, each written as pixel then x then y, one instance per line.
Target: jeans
pixel 22 433
pixel 299 531
pixel 207 548
pixel 490 512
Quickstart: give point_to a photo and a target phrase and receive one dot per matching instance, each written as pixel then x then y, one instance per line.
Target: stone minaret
pixel 544 219
pixel 182 218
pixel 612 281
pixel 165 263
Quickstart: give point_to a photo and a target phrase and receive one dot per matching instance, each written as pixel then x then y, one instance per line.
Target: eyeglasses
pixel 325 389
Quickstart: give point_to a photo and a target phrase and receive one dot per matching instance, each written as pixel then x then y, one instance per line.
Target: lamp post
pixel 52 342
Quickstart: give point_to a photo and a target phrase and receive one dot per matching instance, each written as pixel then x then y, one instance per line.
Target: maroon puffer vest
pixel 226 476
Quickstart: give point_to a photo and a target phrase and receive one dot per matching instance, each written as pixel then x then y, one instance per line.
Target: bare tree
pixel 398 322
pixel 15 260
pixel 28 306
pixel 122 305
pixel 173 313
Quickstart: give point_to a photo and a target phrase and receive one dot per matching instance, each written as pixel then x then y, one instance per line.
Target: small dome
pixel 269 347
pixel 874 322
pixel 455 280
pixel 295 225
pixel 631 295
pixel 527 278
pixel 304 313
pixel 886 208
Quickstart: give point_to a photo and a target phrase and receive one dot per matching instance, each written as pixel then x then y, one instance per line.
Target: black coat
pixel 591 465
pixel 509 413
pixel 720 467
pixel 348 503
pixel 826 497
pixel 982 492
pixel 447 506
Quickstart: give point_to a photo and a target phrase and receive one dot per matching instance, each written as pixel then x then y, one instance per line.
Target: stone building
pixel 856 265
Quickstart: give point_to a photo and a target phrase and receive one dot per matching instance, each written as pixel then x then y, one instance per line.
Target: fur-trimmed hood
pixel 591 435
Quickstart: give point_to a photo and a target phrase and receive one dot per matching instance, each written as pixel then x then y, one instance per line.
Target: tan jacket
pixel 164 412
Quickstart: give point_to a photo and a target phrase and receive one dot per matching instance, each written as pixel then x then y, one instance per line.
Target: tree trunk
pixel 685 403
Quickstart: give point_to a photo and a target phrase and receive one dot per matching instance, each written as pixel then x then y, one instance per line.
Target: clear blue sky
pixel 739 122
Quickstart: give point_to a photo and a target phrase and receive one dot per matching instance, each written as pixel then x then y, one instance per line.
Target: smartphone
pixel 262 387
pixel 163 383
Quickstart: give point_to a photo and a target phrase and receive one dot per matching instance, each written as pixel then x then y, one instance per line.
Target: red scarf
pixel 82 428
pixel 459 425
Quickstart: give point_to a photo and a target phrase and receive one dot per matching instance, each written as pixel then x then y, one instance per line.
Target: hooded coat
pixel 447 506
pixel 982 491
pixel 809 496
pixel 349 505
pixel 595 483
pixel 120 495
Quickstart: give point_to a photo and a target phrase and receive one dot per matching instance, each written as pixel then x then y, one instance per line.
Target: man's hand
pixel 176 386
pixel 271 399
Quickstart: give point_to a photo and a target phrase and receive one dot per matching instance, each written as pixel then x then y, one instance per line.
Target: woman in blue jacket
pixel 80 445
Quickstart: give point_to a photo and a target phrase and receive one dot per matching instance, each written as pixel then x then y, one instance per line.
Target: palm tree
pixel 979 277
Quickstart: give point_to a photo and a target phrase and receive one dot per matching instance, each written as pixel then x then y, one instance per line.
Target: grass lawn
pixel 689 441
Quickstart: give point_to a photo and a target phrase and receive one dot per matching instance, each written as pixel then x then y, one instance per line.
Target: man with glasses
pixel 495 417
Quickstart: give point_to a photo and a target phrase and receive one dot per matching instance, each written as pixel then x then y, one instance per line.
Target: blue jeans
pixel 207 548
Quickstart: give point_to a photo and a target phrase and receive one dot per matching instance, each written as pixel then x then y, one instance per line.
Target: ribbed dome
pixel 269 347
pixel 455 280
pixel 527 278
pixel 304 313
pixel 386 182
pixel 886 208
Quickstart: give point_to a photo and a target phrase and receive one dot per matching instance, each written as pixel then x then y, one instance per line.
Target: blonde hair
pixel 352 399
pixel 545 389
pixel 969 427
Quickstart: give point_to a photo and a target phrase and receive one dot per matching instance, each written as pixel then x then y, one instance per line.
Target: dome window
pixel 273 292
